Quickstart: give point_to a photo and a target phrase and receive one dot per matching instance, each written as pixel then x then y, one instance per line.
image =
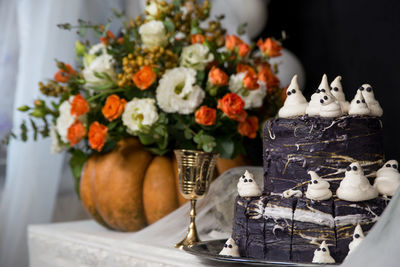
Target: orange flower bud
pixel 266 75
pixel 249 127
pixel 244 68
pixel 206 116
pixel 231 42
pixel 76 132
pixel 250 81
pixel 144 77
pixel 113 107
pixel 63 75
pixel 233 107
pixel 270 47
pixel 218 77
pixel 197 38
pixel 244 49
pixel 79 106
pixel 97 136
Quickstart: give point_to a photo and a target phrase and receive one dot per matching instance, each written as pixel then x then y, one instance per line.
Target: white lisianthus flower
pixel 56 146
pixel 65 120
pixel 153 34
pixel 97 60
pixel 196 56
pixel 251 98
pixel 176 91
pixel 153 8
pixel 139 113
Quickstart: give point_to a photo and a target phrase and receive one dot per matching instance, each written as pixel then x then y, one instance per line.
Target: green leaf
pixel 24 131
pixel 35 129
pixel 225 147
pixel 146 139
pixel 188 134
pixel 24 108
pixel 76 163
pixel 200 75
pixel 241 29
pixel 169 25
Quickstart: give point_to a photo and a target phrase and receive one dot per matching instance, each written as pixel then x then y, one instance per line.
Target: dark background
pixel 359 40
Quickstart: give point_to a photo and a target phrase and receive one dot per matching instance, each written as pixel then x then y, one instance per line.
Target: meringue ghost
pixel 358 106
pixel 372 103
pixel 387 179
pixel 295 103
pixel 355 186
pixel 247 186
pixel 322 254
pixel 314 107
pixel 230 249
pixel 330 107
pixel 337 91
pixel 318 188
pixel 358 236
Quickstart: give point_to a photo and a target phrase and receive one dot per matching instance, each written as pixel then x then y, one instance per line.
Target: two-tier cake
pixel 322 188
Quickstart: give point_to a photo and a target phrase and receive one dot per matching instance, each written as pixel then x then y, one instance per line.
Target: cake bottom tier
pixel 280 229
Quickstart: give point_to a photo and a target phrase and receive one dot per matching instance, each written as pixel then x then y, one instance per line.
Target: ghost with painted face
pixel 295 104
pixel 318 188
pixel 358 106
pixel 358 236
pixel 247 186
pixel 315 105
pixel 337 91
pixel 355 186
pixel 322 254
pixel 330 107
pixel 387 179
pixel 372 103
pixel 230 249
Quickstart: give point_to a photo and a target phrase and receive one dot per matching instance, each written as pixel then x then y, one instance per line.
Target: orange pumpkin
pixel 129 188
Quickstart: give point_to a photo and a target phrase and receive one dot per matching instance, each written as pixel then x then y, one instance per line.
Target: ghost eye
pixel 325 97
pixel 289 93
pixel 323 90
pixel 354 168
pixel 358 101
pixel 250 180
pixel 363 101
pixel 293 91
pixel 318 249
pixel 310 182
pixel 394 166
pixel 229 246
pixel 323 249
pixel 369 89
pixel 335 89
pixel 361 88
pixel 322 101
pixel 225 245
pixel 315 182
pixel 245 180
pixel 388 165
pixel 348 168
pixel 318 91
pixel 356 235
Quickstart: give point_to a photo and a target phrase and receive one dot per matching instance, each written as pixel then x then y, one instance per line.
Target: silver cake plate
pixel 209 250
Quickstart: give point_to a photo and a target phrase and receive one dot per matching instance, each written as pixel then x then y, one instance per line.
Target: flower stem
pixel 105 93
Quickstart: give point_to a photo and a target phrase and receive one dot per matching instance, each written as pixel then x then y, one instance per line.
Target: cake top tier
pixel 329 101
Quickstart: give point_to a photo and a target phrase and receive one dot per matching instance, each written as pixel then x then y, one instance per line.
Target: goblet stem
pixel 192 236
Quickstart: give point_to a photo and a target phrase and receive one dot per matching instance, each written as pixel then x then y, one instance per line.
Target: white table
pixel 85 243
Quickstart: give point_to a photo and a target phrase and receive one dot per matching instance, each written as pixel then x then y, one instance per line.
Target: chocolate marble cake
pixel 320 193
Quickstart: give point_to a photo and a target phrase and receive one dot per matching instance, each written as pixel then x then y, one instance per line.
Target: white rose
pixel 97 60
pixel 176 91
pixel 196 56
pixel 251 98
pixel 56 145
pixel 65 120
pixel 139 113
pixel 153 34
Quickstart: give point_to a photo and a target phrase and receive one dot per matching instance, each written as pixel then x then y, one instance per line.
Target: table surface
pixel 86 243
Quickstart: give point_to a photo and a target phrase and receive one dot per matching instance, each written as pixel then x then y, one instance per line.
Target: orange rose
pixel 63 75
pixel 270 47
pixel 206 116
pixel 249 127
pixel 97 136
pixel 113 107
pixel 233 106
pixel 76 132
pixel 244 49
pixel 218 77
pixel 197 38
pixel 244 68
pixel 144 77
pixel 79 106
pixel 266 75
pixel 106 39
pixel 250 81
pixel 231 42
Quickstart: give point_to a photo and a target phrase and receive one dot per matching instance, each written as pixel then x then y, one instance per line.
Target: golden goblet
pixel 195 169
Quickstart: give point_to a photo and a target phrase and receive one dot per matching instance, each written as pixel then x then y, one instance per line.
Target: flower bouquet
pixel 172 78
